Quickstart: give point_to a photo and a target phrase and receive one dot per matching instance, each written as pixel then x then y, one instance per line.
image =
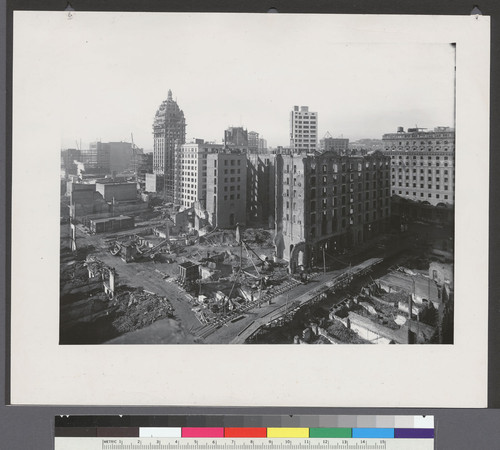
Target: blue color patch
pixel 379 433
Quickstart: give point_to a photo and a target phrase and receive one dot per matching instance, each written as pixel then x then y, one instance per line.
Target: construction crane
pixel 134 154
pixel 239 273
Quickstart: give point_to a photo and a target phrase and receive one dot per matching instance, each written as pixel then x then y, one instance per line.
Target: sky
pixel 114 70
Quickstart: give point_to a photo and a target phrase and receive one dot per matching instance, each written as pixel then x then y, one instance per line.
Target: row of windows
pixel 333 227
pixel 325 193
pixel 438 142
pixel 229 180
pixel 422 186
pixel 414 178
pixel 429 163
pixel 232 197
pixel 344 180
pixel 429 195
pixel 400 170
pixel 421 157
pixel 232 171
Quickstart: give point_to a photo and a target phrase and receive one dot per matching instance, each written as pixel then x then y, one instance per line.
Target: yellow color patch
pixel 288 432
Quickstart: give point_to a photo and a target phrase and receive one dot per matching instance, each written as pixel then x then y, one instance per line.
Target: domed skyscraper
pixel 169 131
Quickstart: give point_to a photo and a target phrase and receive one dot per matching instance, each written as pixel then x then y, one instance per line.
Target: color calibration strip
pixel 361 427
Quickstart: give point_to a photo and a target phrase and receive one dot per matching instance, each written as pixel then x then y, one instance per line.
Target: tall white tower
pixel 303 129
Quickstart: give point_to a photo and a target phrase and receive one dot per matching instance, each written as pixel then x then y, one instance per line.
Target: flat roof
pixel 106 219
pixel 188 264
pixel 422 286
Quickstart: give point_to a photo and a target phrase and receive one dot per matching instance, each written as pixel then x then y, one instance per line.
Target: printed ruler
pixel 65 443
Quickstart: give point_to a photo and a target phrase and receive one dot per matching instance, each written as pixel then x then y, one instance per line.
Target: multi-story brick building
pixel 192 184
pixel 422 164
pixel 303 129
pixel 329 201
pixel 236 137
pixel 226 188
pixel 329 143
pixel 253 141
pixel 96 159
pixel 169 132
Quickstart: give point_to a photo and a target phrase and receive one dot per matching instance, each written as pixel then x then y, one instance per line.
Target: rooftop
pixel 422 287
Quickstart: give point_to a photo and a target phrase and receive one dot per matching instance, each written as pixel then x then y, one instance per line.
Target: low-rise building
pixel 84 200
pixel 411 332
pixel 117 191
pixel 111 224
pixel 441 273
pixel 422 289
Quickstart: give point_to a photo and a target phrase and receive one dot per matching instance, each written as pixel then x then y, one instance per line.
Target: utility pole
pixel 324 258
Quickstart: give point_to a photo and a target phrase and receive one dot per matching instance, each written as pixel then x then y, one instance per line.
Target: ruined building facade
pixel 261 189
pixel 329 201
pixel 422 164
pixel 169 132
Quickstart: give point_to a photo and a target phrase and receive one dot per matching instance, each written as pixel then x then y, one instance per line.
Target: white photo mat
pixel 43 372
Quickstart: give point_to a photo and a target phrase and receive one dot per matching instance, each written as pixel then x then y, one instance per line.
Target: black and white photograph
pixel 235 192
pixel 297 183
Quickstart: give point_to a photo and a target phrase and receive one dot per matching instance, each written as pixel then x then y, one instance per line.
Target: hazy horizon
pixel 239 70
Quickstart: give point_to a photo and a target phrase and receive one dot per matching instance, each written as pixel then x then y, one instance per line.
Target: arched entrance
pixel 297 256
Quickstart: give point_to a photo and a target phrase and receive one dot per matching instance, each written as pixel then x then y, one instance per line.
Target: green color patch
pixel 330 432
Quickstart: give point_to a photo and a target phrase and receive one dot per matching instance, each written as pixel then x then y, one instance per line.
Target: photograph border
pixel 298 392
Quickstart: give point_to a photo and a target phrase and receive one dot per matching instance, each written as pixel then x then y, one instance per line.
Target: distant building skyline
pixel 379 84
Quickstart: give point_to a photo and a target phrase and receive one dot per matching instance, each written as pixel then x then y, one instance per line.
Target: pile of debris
pixel 139 308
pixel 74 273
pixel 343 334
pixel 218 238
pixel 95 267
pixel 258 236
